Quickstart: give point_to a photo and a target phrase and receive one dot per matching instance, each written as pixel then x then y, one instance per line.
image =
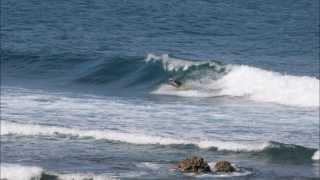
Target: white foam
pixel 174 64
pixel 19 172
pixel 133 138
pixel 269 86
pixel 149 165
pixel 237 173
pixel 225 175
pixel 254 83
pixel 234 146
pixel 33 130
pixel 184 91
pixel 169 64
pixel 316 156
pixel 85 177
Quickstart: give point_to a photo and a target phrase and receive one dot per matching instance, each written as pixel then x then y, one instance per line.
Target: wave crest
pixel 22 172
pixel 175 64
pixel 151 73
pixel 316 156
pixel 268 149
pixel 242 81
pixel 19 172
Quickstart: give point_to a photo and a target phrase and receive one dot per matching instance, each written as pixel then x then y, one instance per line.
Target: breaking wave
pixel 268 149
pixel 245 81
pixel 9 128
pixel 151 74
pixel 316 156
pixel 19 172
pixel 22 172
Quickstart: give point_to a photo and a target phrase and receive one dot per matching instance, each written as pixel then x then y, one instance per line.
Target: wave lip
pixel 214 79
pixel 175 64
pixel 316 156
pixel 149 74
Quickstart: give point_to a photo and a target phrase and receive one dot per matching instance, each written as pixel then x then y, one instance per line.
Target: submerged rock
pixel 194 164
pixel 224 166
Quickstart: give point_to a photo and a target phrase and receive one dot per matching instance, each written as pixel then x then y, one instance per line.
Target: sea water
pixel 85 93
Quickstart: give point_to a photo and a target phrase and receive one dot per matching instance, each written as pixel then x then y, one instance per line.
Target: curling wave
pixel 243 81
pixel 150 74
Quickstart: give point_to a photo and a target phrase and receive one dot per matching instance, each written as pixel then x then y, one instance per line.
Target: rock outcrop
pixel 195 165
pixel 224 166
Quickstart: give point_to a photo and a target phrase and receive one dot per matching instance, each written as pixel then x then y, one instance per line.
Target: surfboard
pixel 172 83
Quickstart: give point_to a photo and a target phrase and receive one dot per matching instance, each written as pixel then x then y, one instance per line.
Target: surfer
pixel 175 82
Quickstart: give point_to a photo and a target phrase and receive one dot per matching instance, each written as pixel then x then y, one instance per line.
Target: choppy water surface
pixel 84 90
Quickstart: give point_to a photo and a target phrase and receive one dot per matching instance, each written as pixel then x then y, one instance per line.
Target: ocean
pixel 85 92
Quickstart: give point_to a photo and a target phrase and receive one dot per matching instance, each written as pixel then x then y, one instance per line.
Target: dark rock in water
pixel 45 176
pixel 194 164
pixel 224 166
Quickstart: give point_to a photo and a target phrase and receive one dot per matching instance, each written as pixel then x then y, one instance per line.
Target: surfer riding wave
pixel 175 82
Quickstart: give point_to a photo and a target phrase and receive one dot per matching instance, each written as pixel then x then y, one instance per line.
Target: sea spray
pixel 19 172
pixel 316 156
pixel 242 81
pixel 23 172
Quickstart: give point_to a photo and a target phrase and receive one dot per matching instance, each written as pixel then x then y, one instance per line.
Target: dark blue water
pixel 85 94
pixel 283 36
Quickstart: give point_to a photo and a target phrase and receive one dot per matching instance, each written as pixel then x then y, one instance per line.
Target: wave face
pixel 151 74
pixel 241 81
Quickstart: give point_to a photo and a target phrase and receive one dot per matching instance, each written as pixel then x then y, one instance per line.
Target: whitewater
pixel 22 172
pixel 40 117
pixel 85 90
pixel 227 110
pixel 242 81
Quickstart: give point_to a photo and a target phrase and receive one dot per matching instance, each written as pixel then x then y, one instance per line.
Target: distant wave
pixel 8 128
pixel 266 148
pixel 22 172
pixel 151 73
pixel 11 171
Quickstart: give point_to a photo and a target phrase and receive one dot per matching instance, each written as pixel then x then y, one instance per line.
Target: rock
pixel 45 176
pixel 194 164
pixel 224 166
